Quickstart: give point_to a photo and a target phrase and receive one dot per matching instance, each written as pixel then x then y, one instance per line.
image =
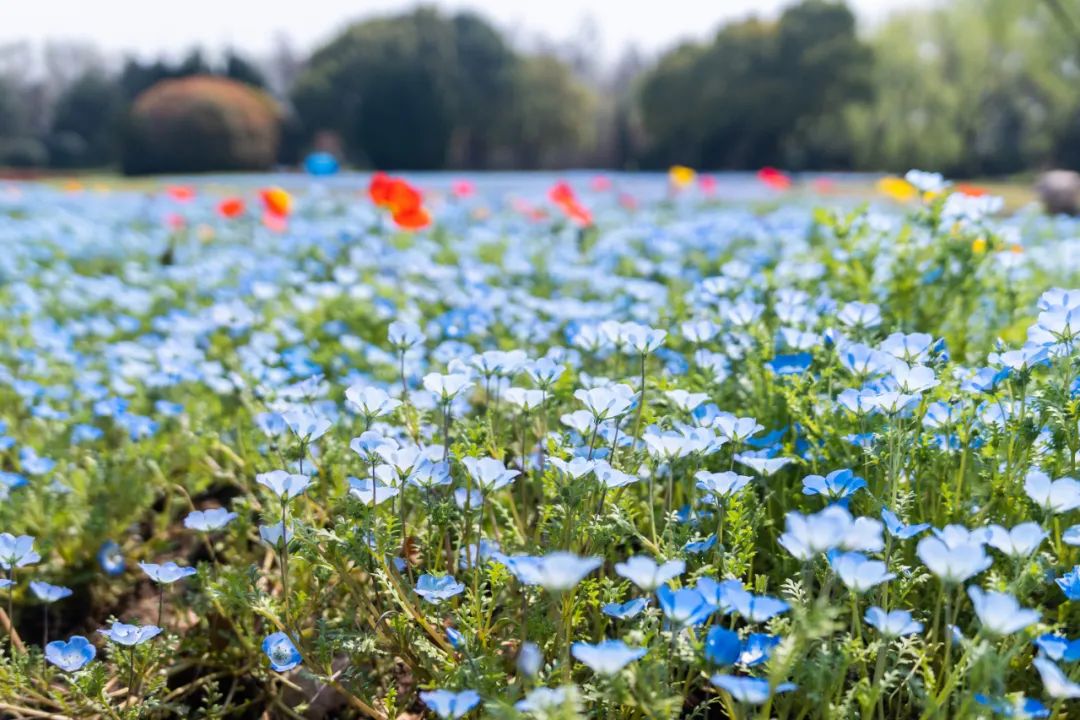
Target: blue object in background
pixel 321 164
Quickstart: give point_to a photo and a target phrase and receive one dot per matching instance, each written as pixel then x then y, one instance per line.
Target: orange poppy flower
pixel 276 201
pixel 970 190
pixel 414 218
pixel 231 207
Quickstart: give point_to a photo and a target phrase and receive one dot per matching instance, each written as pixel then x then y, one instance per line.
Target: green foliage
pixel 760 93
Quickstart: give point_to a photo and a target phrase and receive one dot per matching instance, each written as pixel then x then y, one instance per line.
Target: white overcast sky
pixel 152 27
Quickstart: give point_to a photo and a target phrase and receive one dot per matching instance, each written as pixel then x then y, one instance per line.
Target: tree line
pixel 971 87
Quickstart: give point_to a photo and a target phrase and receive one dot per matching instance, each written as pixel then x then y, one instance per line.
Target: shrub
pixel 200 124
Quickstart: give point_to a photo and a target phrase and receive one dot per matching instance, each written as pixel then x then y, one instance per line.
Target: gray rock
pixel 1059 191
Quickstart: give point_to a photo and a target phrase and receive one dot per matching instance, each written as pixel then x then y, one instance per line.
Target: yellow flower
pixel 896 188
pixel 978 246
pixel 681 176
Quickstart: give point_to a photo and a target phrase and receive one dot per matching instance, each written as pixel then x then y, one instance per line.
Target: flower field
pixel 367 449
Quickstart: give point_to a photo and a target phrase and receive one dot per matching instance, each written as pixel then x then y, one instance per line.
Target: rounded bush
pixel 201 124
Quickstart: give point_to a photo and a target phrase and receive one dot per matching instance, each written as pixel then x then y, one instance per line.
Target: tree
pixel 201 124
pixel 759 92
pixel 549 116
pixel 86 122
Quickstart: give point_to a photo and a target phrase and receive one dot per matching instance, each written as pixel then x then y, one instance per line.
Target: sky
pixel 153 27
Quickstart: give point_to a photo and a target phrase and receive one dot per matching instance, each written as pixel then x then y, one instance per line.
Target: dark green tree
pixel 86 122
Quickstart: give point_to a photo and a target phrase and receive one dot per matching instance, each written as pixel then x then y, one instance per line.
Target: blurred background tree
pixel 970 87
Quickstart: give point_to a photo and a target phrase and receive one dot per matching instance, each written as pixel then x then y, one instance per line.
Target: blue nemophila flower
pixel 716 591
pixel 488 473
pixel 722 646
pixel 72 655
pixel 793 364
pixel 898 529
pixel 130 635
pixel 647 574
pixel 8 482
pixel 607 657
pixel 837 485
pixel 208 520
pixel 281 651
pixel 757 648
pixel 465 499
pixel 1058 648
pixel 17 552
pixel 455 638
pixel 627 610
pixel 1019 542
pixel 749 690
pixel 529 659
pixel 605 402
pixel 1000 613
pixel 49 593
pixel 754 608
pixel 892 624
pixel 111 558
pixel 1015 707
pixel 436 589
pixel 370 402
pixel 271 534
pixel 1056 497
pixel 557 571
pixel 450 705
pixel 307 425
pixel 721 485
pixel 403 335
pixel 1055 682
pixel 166 573
pixel 575 468
pixel 283 484
pixel 446 387
pixel 764 466
pixel 1070 583
pixel 684 607
pixel 806 536
pixel 858 572
pixel 952 564
pixel 543 701
pixel 700 546
pixel 371 492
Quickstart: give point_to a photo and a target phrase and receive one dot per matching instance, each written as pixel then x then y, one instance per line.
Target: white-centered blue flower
pixel 49 593
pixel 859 573
pixel 893 624
pixel 1058 496
pixel 450 705
pixel 952 564
pixel 647 574
pixel 488 473
pixel 166 573
pixel 1055 682
pixel 209 520
pixel 130 635
pixel 17 552
pixel 608 657
pixel 71 655
pixel 1000 613
pixel 437 589
pixel 284 484
pixel 1018 542
pixel 749 690
pixel 281 651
